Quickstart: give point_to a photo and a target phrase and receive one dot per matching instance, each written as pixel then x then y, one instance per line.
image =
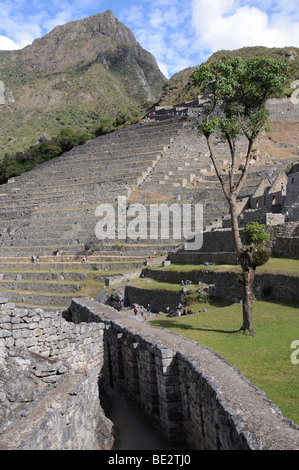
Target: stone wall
pixel 197 257
pixel 227 285
pixel 49 334
pixel 287 247
pixel 49 390
pixel 218 245
pixel 186 391
pixel 158 300
pixel 68 417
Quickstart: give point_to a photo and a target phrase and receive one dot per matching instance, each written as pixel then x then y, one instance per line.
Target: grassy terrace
pixel 264 359
pixel 274 265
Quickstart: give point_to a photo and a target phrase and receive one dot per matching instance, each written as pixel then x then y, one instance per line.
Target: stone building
pixel 291 203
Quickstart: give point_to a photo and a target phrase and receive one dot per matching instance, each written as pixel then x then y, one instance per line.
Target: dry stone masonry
pixel 54 362
pixel 153 162
pixel 188 392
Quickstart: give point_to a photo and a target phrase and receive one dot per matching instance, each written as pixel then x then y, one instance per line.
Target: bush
pixel 105 126
pixel 15 165
pixel 261 255
pixel 255 233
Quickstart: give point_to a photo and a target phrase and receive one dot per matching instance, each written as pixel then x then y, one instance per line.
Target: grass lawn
pixel 274 265
pixel 264 359
pixel 147 283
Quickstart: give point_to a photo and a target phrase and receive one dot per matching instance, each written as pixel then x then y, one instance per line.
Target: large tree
pixel 238 91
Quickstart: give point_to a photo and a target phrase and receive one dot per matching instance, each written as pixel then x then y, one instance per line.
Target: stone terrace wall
pixel 226 285
pixel 47 333
pixel 186 390
pixel 68 417
pixel 52 400
pixel 287 247
pixel 158 300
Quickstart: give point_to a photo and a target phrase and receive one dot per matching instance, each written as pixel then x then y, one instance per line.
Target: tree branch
pixel 219 176
pixel 245 170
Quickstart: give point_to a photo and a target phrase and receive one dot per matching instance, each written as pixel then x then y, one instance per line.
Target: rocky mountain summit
pixel 73 75
pixel 76 42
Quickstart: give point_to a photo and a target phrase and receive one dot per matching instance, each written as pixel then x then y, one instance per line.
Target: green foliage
pixel 255 233
pixel 105 126
pixel 180 88
pixel 255 237
pixel 261 256
pixel 18 163
pixel 254 257
pixel 239 89
pixel 123 118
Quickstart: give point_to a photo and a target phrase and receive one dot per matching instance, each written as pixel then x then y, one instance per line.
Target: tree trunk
pixel 243 255
pixel 248 298
pixel 235 226
pixel 247 270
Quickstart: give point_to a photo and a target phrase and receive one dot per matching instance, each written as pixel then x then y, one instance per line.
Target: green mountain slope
pixel 72 76
pixel 180 88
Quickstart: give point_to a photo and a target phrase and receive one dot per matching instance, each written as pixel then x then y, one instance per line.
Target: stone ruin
pixel 55 366
pixel 60 358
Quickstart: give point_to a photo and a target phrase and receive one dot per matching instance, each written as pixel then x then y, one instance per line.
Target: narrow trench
pixel 133 432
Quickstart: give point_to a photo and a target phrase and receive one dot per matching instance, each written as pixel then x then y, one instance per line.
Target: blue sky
pixel 178 33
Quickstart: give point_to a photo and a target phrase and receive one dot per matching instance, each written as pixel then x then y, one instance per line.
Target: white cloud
pixel 164 28
pixel 178 34
pixel 222 25
pixel 7 44
pixel 59 19
pixel 164 69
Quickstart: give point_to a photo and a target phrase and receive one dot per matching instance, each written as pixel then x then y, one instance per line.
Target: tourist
pixel 33 259
pixel 148 311
pixel 141 311
pixel 135 309
pixel 205 309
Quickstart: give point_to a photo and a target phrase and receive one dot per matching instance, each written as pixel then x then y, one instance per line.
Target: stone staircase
pixel 55 280
pixel 54 206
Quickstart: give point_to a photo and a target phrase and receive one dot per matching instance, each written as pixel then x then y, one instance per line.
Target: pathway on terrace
pixel 53 206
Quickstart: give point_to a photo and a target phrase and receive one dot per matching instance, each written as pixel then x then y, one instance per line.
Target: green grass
pixel 264 359
pixel 146 283
pixel 275 265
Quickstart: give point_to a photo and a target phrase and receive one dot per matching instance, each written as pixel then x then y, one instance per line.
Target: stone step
pixel 56 287
pixel 144 250
pixel 30 275
pixel 38 299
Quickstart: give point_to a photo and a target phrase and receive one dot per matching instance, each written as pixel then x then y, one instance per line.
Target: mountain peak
pixel 72 76
pixel 77 41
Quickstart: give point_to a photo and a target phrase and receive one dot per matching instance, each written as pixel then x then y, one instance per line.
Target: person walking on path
pixel 148 311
